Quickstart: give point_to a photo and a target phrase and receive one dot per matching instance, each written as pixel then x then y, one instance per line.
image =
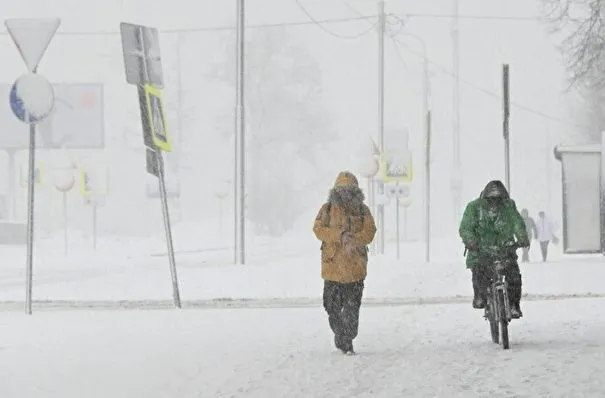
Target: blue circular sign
pixel 19 105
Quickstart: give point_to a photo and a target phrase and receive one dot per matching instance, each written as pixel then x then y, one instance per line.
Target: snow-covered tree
pixel 286 124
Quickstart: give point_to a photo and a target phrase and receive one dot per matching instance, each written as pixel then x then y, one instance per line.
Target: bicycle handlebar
pixel 506 246
pixel 495 250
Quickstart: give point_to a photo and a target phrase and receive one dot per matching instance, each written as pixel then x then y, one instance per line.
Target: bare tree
pixel 582 22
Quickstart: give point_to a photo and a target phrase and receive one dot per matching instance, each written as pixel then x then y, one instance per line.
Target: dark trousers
pixel 525 254
pixel 341 302
pixel 544 250
pixel 482 279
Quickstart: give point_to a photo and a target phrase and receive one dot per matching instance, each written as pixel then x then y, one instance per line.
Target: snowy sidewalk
pixel 290 277
pixel 441 351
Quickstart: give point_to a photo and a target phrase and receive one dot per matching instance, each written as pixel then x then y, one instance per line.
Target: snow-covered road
pixel 557 350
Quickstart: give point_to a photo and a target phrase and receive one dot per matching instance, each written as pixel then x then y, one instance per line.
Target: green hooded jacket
pixel 480 228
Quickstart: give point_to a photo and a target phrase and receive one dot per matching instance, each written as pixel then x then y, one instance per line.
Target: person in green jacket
pixel 493 220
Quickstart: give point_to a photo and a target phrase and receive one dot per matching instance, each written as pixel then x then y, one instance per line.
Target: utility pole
pixel 240 163
pixel 457 169
pixel 427 158
pixel 505 123
pixel 381 32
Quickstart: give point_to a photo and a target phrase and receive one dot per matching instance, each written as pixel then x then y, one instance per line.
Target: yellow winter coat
pixel 344 212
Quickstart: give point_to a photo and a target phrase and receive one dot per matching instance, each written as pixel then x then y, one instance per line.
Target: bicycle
pixel 497 310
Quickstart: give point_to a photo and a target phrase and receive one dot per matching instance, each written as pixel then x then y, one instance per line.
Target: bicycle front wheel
pixel 503 321
pixel 493 322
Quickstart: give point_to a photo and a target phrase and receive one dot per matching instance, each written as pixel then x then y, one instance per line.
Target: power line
pixel 452 74
pixel 399 55
pixel 340 36
pixel 450 16
pixel 483 89
pixel 528 18
pixel 478 17
pixel 350 7
pixel 400 21
pixel 225 28
pixel 318 22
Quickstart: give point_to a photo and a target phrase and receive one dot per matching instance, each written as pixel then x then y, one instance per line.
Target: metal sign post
pixel 381 111
pixel 401 193
pixel 143 65
pixel 397 225
pixel 65 225
pixel 602 192
pixel 31 100
pixel 95 201
pixel 95 228
pixel 94 187
pixel 64 180
pixel 395 168
pixel 29 274
pixel 240 144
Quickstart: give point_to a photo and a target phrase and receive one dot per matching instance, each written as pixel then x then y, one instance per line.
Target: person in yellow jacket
pixel 345 227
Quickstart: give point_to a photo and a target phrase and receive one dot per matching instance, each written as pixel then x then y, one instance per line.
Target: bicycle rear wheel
pixel 503 321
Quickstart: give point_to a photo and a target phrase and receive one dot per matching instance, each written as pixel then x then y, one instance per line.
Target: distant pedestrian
pixel 544 233
pixel 530 225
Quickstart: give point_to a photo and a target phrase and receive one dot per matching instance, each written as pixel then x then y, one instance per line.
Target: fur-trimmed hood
pixel 346 193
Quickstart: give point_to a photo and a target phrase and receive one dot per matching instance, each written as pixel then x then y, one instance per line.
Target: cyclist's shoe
pixel 479 303
pixel 515 312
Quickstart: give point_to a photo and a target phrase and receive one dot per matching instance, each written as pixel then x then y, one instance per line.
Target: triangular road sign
pixel 32 37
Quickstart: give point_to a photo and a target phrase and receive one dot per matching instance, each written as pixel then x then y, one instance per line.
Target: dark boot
pixel 478 302
pixel 478 299
pixel 339 343
pixel 514 295
pixel 347 348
